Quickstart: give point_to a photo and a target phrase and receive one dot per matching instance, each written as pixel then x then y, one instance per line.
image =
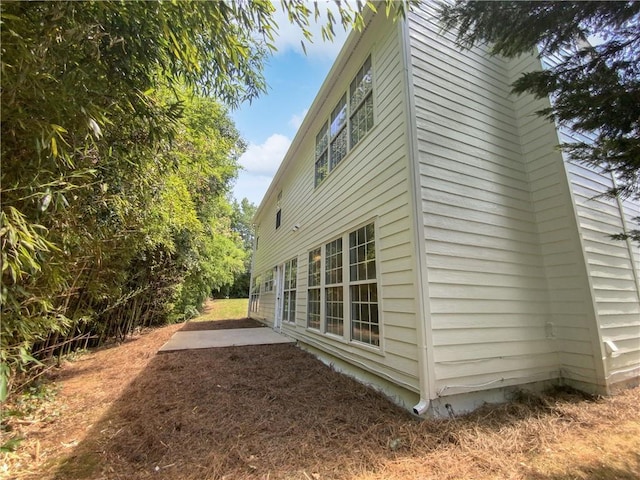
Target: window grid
pixel 313 291
pixel 254 297
pixel 364 314
pixel 362 254
pixel 365 323
pixel 330 297
pixel 289 295
pixel 322 154
pixel 334 310
pixel 347 125
pixel 338 148
pixel 334 293
pixel 333 262
pixel 361 101
pixel 268 281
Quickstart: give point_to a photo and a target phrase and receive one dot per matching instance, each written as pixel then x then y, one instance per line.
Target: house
pixel 425 234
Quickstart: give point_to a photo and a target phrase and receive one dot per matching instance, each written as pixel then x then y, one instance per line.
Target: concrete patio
pixel 190 340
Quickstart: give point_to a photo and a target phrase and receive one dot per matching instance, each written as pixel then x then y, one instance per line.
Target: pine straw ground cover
pixel 275 412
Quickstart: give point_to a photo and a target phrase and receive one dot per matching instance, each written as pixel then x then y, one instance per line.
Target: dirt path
pixel 274 412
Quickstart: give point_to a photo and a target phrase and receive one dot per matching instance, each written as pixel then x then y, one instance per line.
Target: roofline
pixel 331 79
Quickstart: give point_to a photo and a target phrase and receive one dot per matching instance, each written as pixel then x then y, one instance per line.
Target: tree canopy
pixel 593 77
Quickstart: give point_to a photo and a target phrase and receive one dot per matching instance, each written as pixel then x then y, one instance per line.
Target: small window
pixel 279 211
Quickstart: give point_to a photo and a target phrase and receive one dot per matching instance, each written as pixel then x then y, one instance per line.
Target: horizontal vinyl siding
pixel 613 269
pixel 370 184
pixel 571 317
pixel 487 286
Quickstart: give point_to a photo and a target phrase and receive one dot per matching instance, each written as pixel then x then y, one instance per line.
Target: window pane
pixel 339 117
pixel 333 251
pixel 293 281
pixel 322 168
pixel 314 267
pixel 361 84
pixel 334 310
pixel 338 148
pixel 313 309
pixel 322 141
pixel 361 120
pixel 364 314
pixel 364 296
pixel 285 306
pixel 371 270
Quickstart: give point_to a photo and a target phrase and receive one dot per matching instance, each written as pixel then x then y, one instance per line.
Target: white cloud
pixel 251 187
pixel 264 159
pixel 296 119
pixel 289 35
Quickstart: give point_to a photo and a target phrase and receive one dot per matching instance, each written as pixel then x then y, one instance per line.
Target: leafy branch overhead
pixel 592 50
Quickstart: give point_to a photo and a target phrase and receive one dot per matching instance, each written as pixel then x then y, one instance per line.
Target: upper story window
pixel 338 133
pixel 350 120
pixel 361 102
pixel 279 211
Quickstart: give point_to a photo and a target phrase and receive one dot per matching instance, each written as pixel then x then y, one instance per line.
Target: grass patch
pixel 224 309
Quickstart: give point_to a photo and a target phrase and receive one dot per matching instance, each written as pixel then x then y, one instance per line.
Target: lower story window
pixel 254 297
pixel 334 310
pixel 364 314
pixel 289 293
pixel 343 300
pixel 363 286
pixel 313 292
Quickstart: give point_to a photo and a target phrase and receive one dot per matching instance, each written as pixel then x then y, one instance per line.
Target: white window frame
pixel 333 284
pixel 289 292
pixel 254 295
pixel 268 280
pixel 347 284
pixel 315 287
pixel 368 301
pixel 331 132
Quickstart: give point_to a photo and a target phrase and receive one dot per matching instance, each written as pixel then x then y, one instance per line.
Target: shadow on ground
pixel 241 412
pixel 276 412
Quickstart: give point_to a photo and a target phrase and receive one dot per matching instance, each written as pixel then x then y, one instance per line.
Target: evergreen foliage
pixel 593 77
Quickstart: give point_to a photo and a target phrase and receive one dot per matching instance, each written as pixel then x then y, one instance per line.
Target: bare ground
pixel 275 412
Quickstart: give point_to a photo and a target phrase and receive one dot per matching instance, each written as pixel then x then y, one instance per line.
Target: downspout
pixel 423 316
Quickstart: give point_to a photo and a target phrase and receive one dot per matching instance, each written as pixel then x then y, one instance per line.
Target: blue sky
pixel 270 122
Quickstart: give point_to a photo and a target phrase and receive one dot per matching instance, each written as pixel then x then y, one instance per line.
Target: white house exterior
pixel 425 234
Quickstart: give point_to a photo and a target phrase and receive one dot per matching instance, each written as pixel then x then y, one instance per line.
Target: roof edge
pixel 330 80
